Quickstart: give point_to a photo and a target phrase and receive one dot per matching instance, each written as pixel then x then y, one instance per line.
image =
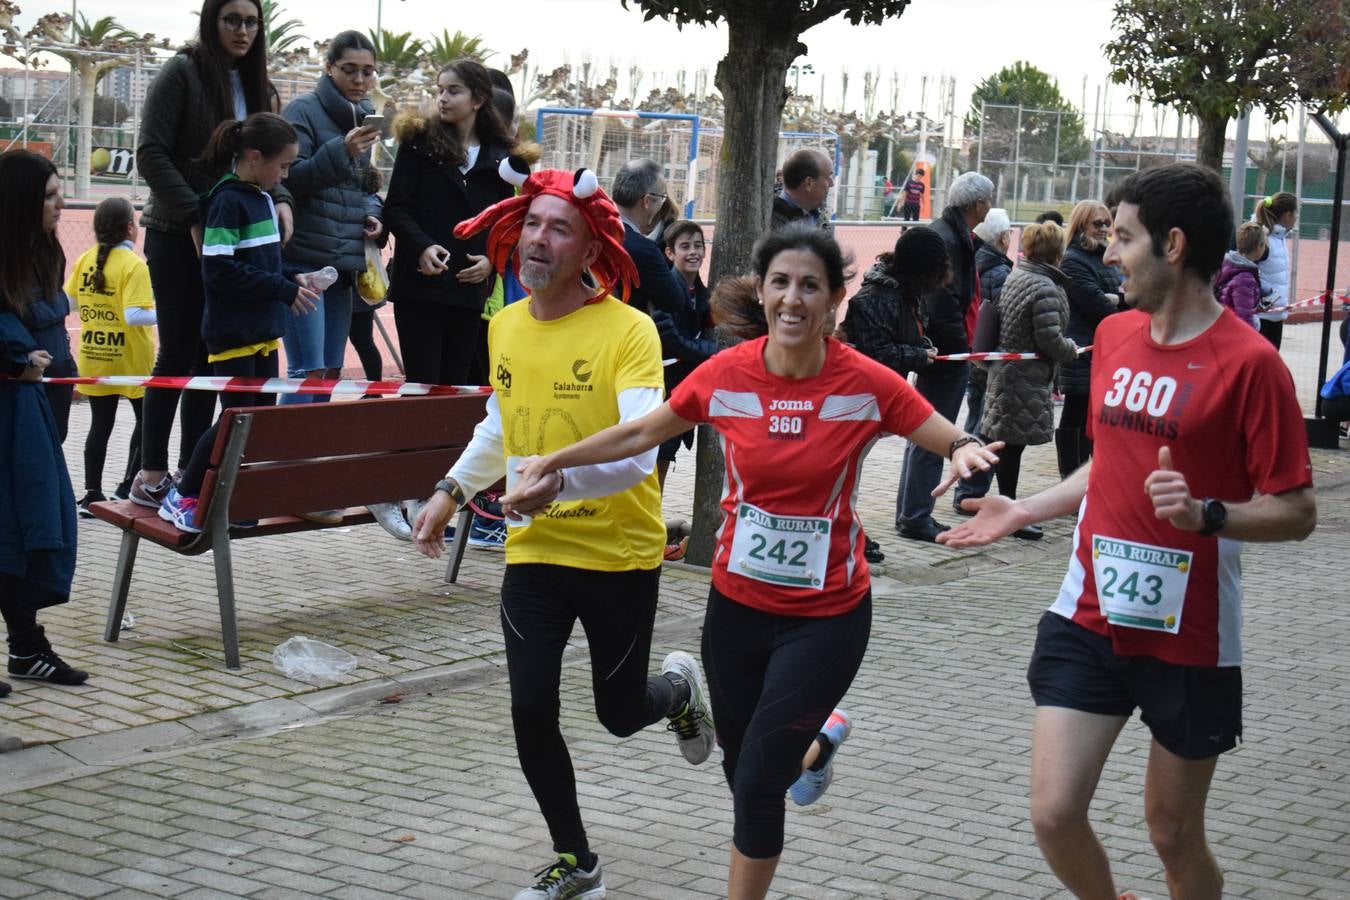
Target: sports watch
pixel 1214 514
pixel 451 487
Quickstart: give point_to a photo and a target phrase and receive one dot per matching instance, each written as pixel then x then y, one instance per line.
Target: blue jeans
pixel 922 470
pixel 318 339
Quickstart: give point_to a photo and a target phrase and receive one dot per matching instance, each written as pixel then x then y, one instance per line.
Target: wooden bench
pixel 269 463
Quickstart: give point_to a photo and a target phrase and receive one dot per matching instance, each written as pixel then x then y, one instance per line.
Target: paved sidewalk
pixel 170 776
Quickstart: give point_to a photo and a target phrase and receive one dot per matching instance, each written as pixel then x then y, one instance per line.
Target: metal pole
pixel 1237 179
pixel 979 142
pixel 1342 143
pixel 1097 161
pixel 1017 162
pixel 379 20
pixel 1298 192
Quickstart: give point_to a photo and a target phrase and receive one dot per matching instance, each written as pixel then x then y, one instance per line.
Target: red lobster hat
pixel 613 267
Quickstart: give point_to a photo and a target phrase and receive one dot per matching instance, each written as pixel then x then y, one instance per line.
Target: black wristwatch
pixel 1215 515
pixel 451 487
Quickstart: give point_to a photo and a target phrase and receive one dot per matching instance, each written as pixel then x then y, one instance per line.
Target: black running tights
pixel 103 411
pixel 774 681
pixel 540 605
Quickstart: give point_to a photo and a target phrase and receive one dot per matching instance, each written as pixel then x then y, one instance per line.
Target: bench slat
pixel 345 427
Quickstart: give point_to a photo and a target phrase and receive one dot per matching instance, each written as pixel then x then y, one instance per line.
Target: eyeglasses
pixel 235 23
pixel 661 197
pixel 355 72
pixel 1101 223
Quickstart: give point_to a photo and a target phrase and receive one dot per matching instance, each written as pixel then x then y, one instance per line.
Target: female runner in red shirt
pixel 790 607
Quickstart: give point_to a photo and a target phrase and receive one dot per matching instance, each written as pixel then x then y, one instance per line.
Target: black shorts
pixel 672 446
pixel 1193 711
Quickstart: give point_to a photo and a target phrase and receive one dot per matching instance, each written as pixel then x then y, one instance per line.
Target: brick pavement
pixel 169 776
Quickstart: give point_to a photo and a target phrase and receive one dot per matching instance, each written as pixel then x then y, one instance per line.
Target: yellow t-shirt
pixel 556 383
pixel 108 345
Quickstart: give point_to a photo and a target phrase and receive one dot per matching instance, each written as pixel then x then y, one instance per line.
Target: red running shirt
pixel 1224 403
pixel 794 450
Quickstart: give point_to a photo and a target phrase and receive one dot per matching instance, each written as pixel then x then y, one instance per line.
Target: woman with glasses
pixel 222 75
pixel 1093 288
pixel 334 215
pixel 445 172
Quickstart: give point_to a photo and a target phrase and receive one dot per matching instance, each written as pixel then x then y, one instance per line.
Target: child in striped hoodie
pixel 248 295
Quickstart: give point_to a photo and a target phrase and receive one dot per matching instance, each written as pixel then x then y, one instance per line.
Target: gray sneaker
pixel 692 723
pixel 563 880
pixel 390 517
pixel 147 495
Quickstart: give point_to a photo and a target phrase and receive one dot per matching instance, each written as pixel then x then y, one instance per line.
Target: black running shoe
pixel 89 497
pixel 45 666
pixel 4 689
pixel 872 551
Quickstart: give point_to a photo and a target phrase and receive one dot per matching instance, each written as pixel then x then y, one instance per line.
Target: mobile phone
pixel 373 121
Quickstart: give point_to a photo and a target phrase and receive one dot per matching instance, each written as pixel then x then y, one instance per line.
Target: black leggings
pixel 438 342
pixel 103 411
pixel 540 604
pixel 20 601
pixel 1009 469
pixel 362 336
pixel 1271 331
pixel 1072 445
pixel 774 681
pixel 176 277
pixel 258 365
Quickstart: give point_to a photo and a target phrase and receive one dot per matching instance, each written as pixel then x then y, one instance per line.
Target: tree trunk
pixel 84 132
pixel 752 79
pixel 1210 142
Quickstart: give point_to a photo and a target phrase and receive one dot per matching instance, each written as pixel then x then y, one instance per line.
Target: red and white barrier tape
pixel 1315 301
pixel 310 386
pixel 996 356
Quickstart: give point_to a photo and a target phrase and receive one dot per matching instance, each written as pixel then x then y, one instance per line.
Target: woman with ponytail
pixel 222 75
pixel 445 173
pixel 111 286
pixel 248 298
pixel 1277 213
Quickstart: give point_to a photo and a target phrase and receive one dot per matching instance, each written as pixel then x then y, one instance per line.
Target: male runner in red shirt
pixel 1199 446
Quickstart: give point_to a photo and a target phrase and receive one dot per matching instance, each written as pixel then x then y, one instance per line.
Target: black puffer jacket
pixel 886 326
pixel 683 334
pixel 945 308
pixel 1089 281
pixel 1033 313
pixel 330 207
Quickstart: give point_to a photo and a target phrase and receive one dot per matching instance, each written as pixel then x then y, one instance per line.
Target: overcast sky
pixel 966 39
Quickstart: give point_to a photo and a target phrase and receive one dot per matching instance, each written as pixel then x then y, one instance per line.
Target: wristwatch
pixel 451 487
pixel 1215 515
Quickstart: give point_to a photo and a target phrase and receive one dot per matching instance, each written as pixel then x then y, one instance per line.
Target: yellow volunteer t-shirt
pixel 556 383
pixel 108 345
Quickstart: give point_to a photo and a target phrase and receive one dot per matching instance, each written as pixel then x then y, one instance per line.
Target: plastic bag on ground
pixel 306 659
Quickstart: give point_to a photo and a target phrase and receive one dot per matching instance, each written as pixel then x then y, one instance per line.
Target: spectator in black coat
pixel 884 319
pixel 1094 293
pixel 639 193
pixel 969 199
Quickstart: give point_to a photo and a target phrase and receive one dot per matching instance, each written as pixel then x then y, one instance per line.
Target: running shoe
pixel 872 551
pixel 5 689
pixel 89 497
pixel 487 534
pixel 180 510
pixel 123 491
pixel 562 879
pixel 692 723
pixel 389 516
pixel 45 666
pixel 151 496
pixel 808 788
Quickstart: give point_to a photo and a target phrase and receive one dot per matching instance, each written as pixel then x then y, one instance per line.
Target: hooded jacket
pixel 885 325
pixel 946 306
pixel 325 182
pixel 248 297
pixel 1238 286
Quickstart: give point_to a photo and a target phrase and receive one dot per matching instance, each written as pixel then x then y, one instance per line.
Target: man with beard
pixel 1200 446
pixel 564 363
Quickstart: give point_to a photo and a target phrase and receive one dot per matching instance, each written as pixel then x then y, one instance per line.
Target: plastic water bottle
pixel 320 281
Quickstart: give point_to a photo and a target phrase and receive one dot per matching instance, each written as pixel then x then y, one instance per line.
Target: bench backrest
pixel 346 453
